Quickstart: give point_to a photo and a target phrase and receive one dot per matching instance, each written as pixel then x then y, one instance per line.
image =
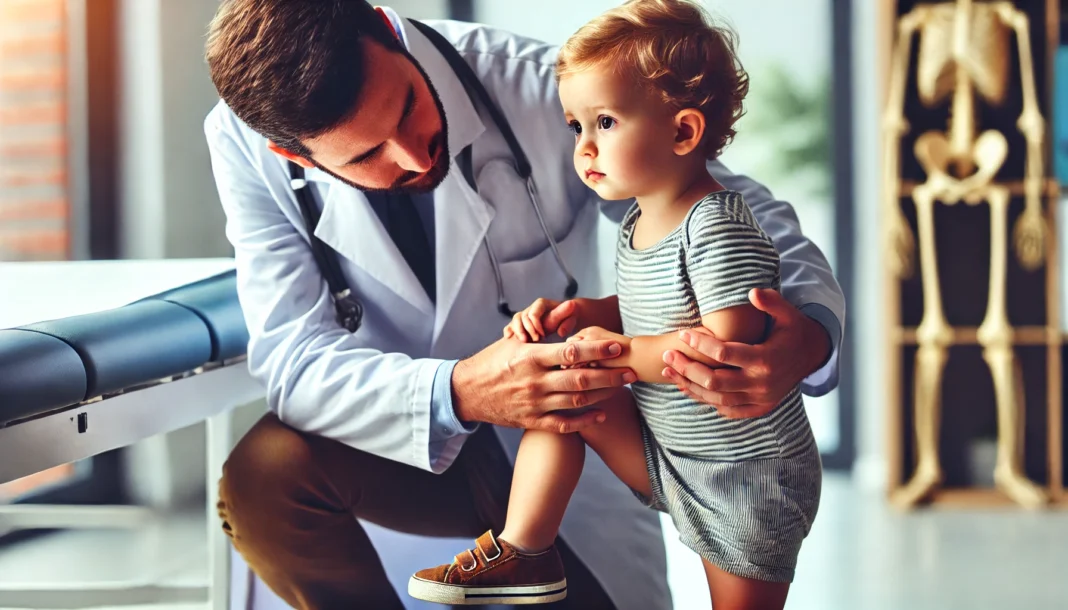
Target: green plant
pixel 795 120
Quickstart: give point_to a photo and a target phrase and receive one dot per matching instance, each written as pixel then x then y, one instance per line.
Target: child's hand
pixel 545 317
pixel 529 324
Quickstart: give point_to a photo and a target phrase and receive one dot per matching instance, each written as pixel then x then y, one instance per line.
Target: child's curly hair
pixel 673 48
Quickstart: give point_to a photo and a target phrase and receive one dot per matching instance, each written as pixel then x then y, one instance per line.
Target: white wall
pixel 420 9
pixel 866 308
pixel 169 207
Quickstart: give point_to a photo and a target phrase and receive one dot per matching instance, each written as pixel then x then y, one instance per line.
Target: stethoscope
pixel 348 307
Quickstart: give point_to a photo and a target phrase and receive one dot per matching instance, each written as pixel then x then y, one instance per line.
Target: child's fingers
pixel 535 321
pixel 560 315
pixel 528 325
pixel 537 312
pixel 516 326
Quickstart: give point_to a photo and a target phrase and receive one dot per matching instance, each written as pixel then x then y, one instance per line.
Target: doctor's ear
pixel 285 154
pixel 689 130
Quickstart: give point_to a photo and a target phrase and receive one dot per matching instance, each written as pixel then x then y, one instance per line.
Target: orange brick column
pixel 34 202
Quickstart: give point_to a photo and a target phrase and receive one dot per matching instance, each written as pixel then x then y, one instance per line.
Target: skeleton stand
pixel 973 63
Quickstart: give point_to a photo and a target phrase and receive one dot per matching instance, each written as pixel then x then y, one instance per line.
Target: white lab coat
pixel 372 389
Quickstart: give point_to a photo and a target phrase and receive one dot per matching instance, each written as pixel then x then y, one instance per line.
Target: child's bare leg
pixel 548 466
pixel 546 473
pixel 619 441
pixel 547 470
pixel 730 592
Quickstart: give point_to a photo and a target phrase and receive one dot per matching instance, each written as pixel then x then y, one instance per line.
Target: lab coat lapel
pixel 350 226
pixel 461 221
pixel 461 217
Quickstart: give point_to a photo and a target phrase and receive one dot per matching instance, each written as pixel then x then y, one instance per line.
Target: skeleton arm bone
pixel 1030 232
pixel 899 235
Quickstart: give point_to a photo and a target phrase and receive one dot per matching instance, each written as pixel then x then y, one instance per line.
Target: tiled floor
pixel 860 555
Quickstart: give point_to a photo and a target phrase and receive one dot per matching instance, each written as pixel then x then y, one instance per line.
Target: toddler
pixel 652 90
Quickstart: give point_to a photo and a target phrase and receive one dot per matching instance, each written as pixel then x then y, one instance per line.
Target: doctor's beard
pixel 411 182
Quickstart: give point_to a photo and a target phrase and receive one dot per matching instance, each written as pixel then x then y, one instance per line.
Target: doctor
pixel 376 326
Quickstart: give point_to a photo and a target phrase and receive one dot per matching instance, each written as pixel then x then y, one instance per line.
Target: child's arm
pixel 645 354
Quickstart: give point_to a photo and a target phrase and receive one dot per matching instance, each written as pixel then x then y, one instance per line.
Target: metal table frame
pixel 54 439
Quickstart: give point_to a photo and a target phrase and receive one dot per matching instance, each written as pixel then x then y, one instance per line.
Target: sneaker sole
pixel 441 593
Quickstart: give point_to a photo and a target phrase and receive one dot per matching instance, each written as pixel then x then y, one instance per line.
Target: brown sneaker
pixel 493 573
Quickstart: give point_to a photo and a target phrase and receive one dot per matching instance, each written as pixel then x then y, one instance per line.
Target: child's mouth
pixel 593 176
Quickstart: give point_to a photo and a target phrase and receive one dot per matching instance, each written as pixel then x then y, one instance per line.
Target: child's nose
pixel 586 148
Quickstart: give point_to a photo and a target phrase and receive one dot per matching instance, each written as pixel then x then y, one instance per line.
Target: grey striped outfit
pixel 742 493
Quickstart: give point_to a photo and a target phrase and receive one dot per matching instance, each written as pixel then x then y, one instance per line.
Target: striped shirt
pixel 708 263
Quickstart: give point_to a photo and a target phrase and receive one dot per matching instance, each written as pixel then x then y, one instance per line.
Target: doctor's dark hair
pixel 676 51
pixel 292 69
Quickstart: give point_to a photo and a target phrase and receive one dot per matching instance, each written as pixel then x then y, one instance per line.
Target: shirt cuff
pixel 444 426
pixel 825 378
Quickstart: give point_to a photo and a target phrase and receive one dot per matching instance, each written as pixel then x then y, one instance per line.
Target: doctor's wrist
pixel 824 334
pixel 818 344
pixel 461 403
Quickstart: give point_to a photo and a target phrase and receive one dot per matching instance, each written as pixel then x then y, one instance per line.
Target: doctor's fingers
pixel 566 423
pixel 576 352
pixel 720 379
pixel 731 405
pixel 573 404
pixel 696 372
pixel 583 382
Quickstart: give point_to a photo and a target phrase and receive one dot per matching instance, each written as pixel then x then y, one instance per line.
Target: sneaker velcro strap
pixel 461 560
pixel 496 547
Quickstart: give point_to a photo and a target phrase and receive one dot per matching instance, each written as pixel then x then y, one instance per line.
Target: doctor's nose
pixel 413 155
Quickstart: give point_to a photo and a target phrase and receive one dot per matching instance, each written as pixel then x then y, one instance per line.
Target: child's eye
pixel 575 127
pixel 605 122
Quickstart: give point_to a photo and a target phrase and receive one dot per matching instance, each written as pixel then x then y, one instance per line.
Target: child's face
pixel 624 137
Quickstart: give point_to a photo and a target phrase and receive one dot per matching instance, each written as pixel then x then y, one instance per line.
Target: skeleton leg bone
pixel 934 336
pixel 995 335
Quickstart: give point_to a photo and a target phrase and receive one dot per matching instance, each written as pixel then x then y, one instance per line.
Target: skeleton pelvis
pixel 988 153
pixel 987 56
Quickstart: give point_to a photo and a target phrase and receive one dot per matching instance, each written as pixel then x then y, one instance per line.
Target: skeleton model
pixel 963 52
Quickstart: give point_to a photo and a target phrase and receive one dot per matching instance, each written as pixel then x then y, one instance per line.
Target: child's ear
pixel 689 130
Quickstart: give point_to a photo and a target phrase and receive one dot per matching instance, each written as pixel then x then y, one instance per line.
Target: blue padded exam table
pixel 100 355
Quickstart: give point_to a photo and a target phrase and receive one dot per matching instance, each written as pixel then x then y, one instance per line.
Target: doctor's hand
pixel 759 376
pixel 522 385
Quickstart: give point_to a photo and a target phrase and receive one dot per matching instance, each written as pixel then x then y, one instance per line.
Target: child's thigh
pixel 619 441
pixel 730 592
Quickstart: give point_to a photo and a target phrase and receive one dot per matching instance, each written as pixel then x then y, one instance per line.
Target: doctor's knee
pixel 270 463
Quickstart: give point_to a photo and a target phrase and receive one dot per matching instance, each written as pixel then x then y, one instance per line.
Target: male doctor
pixel 412 420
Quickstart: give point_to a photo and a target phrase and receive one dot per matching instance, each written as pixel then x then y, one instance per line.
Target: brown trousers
pixel 289 502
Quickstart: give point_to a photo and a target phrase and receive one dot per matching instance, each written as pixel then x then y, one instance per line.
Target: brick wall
pixel 34 206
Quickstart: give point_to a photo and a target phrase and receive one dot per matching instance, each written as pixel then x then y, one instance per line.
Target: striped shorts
pixel 747 518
